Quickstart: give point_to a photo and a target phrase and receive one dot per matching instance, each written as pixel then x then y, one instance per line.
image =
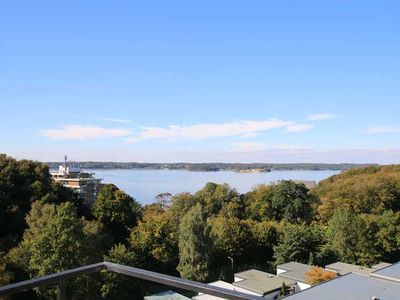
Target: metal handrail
pixel 60 278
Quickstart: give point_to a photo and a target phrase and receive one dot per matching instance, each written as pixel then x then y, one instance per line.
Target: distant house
pixel 380 282
pixel 351 287
pixel 263 284
pixel 296 272
pixel 224 285
pixel 344 268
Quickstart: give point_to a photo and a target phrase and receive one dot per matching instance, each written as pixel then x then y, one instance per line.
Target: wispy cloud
pixel 383 129
pixel 113 120
pixel 83 132
pixel 249 146
pixel 321 117
pixel 205 131
pixel 292 147
pixel 260 146
pixel 299 127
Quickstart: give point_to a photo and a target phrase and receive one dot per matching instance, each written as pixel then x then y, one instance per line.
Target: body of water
pixel 144 185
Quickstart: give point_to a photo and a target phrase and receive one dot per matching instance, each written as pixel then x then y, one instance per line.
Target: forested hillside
pixel 352 217
pixel 370 190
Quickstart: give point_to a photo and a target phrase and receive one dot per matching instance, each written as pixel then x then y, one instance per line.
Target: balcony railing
pixel 60 278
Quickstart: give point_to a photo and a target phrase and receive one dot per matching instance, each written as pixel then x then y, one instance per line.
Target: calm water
pixel 144 185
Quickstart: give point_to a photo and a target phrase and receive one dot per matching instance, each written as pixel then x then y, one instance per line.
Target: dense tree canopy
pixel 56 240
pixel 154 241
pixel 352 217
pixel 22 183
pixel 214 197
pixel 286 200
pixel 299 242
pixel 369 190
pixel 117 211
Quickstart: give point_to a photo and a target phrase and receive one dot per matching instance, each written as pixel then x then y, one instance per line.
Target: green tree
pixel 291 202
pixel 215 197
pixel 195 245
pixel 180 205
pixel 154 241
pixel 264 237
pixel 345 232
pixel 388 236
pixel 60 194
pixel 117 286
pixel 299 242
pixel 231 236
pixel 258 202
pixel 21 183
pixel 117 211
pixel 232 242
pixel 57 240
pixel 284 290
pixel 5 275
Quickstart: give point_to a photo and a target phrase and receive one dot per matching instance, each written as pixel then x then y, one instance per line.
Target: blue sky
pixel 234 81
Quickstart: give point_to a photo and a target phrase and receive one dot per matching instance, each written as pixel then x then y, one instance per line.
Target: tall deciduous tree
pixel 118 286
pixel 345 232
pixel 117 211
pixel 57 240
pixel 195 245
pixel 291 202
pixel 215 197
pixel 154 241
pixel 21 183
pixel 298 242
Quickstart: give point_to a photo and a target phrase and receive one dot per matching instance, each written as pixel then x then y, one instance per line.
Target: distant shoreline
pixel 212 167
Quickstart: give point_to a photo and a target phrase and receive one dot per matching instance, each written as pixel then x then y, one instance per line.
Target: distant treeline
pixel 262 167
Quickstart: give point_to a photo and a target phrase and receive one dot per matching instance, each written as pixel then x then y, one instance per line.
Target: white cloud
pixel 292 147
pixel 83 132
pixel 113 120
pixel 321 117
pixel 205 131
pixel 383 129
pixel 249 146
pixel 299 127
pixel 260 146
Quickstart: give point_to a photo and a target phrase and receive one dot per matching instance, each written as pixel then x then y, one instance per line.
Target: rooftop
pixel 167 295
pixel 351 286
pixel 224 285
pixel 294 271
pixel 391 272
pixel 344 268
pixel 381 265
pixel 260 282
pixel 253 274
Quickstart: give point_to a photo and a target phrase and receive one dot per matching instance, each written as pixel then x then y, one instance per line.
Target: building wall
pixel 303 286
pixel 279 271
